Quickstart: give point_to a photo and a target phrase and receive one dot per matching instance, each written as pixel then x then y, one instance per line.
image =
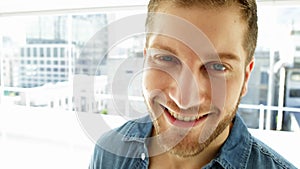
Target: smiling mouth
pixel 184 117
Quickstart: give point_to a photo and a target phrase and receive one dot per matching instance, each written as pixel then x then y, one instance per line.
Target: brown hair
pixel 248 10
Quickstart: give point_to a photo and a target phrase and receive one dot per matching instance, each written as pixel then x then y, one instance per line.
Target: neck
pixel 171 161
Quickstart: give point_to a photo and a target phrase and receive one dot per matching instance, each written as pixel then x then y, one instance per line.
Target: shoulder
pixel 242 150
pixel 133 130
pixel 264 156
pixel 119 147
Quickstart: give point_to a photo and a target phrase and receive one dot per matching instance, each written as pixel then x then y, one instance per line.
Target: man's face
pixel 192 88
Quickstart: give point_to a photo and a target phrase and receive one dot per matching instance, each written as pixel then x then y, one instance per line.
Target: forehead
pixel 222 29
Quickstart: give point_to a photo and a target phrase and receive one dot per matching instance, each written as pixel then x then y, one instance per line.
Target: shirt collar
pixel 234 153
pixel 237 148
pixel 138 130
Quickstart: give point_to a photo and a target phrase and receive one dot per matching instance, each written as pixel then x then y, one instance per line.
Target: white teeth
pixel 180 118
pixel 175 115
pixel 184 118
pixel 187 119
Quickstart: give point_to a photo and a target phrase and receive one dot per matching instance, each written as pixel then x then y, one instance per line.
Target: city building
pixel 48 54
pixel 45 63
pixel 10 63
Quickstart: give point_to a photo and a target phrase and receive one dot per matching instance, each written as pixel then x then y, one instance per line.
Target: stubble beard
pixel 189 145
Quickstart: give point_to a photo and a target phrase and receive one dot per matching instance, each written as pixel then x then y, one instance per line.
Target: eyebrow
pixel 227 56
pixel 166 48
pixel 222 55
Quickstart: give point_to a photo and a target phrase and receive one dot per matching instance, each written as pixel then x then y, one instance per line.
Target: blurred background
pixel 44 46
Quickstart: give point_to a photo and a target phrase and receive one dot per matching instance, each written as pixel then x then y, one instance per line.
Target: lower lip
pixel 183 124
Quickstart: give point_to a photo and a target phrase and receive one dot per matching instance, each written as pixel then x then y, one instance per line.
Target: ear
pixel 249 69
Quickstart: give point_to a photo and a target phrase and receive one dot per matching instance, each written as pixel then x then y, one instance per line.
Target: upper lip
pixel 193 112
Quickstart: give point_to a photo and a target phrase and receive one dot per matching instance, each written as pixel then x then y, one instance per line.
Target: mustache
pixel 190 110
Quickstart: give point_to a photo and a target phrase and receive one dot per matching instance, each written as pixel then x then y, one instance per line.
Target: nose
pixel 185 90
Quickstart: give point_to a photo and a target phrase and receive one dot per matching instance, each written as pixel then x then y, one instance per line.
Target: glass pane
pixel 43 51
pixel 101 56
pixel 295 76
pixel 278 45
pixel 42 54
pixel 37 32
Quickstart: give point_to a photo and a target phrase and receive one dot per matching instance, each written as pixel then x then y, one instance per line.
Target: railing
pixel 262 109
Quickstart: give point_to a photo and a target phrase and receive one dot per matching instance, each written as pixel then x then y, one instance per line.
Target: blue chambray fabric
pixel 126 148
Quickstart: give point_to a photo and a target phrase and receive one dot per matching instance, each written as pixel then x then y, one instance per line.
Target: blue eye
pixel 163 58
pixel 215 67
pixel 167 58
pixel 218 67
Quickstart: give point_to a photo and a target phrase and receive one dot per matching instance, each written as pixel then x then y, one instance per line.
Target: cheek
pixel 234 89
pixel 225 93
pixel 154 80
pixel 154 85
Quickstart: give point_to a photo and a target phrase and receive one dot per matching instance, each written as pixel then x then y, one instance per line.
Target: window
pixel 28 52
pixel 41 52
pixel 55 54
pixel 34 52
pixel 295 76
pixel 83 104
pixel 295 93
pixel 62 52
pixel 22 52
pixel 39 34
pixel 48 52
pixel 264 78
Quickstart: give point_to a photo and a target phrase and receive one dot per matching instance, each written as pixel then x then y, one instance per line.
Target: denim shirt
pixel 126 148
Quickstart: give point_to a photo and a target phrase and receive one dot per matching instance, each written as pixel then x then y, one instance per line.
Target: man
pixel 198 60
